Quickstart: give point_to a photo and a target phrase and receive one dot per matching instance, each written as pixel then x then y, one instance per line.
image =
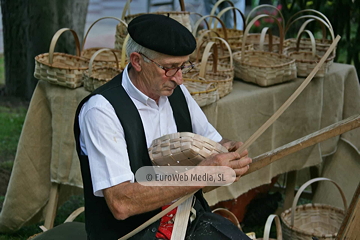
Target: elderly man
pixel 115 125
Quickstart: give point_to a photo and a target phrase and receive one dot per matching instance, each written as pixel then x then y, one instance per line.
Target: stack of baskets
pixel 60 68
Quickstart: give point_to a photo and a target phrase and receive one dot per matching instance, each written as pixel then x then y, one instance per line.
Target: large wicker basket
pixel 312 220
pixel 182 17
pixel 60 68
pixel 97 76
pixel 106 59
pixel 264 68
pixel 182 149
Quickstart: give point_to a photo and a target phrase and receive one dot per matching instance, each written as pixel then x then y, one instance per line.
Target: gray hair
pixel 133 46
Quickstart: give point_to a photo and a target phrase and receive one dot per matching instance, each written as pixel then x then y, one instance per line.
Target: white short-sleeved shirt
pixel 102 136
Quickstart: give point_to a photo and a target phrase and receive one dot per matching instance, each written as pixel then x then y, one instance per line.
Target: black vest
pixel 99 221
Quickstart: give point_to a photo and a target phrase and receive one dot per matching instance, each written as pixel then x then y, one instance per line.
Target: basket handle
pixel 228 214
pixel 305 185
pixel 206 56
pixel 268 227
pixel 228 47
pixel 56 37
pixel 87 32
pixel 200 42
pixel 267 6
pixel 208 25
pixel 216 5
pixel 96 54
pixel 234 12
pixel 123 52
pixel 262 38
pixel 310 10
pixel 246 32
pixel 312 39
pixel 312 18
pixel 126 9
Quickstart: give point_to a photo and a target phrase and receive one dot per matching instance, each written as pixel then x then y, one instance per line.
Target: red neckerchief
pixel 166 224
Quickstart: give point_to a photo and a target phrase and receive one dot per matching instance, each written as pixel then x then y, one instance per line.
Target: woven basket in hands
pixel 268 223
pixel 307 58
pixel 312 220
pixel 60 68
pixel 254 38
pixel 182 17
pixel 182 149
pixel 321 44
pixel 222 80
pixel 97 76
pixel 106 59
pixel 264 68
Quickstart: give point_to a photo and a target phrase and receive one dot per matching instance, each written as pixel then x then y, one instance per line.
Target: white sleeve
pixel 102 140
pixel 200 123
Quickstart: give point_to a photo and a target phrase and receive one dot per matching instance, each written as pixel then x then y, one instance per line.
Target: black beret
pixel 162 34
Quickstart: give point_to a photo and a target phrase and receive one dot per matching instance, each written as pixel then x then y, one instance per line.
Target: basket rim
pixel 40 56
pixel 263 66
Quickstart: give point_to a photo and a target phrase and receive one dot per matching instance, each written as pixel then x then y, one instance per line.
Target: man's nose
pixel 178 78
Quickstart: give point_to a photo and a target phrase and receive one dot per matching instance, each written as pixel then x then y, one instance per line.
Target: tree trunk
pixel 28 27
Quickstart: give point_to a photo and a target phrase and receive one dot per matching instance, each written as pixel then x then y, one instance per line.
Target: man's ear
pixel 136 61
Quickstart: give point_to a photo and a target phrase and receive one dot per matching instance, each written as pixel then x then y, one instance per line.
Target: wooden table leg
pixel 290 189
pixel 52 206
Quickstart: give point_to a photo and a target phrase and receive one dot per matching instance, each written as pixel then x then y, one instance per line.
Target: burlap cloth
pixel 46 151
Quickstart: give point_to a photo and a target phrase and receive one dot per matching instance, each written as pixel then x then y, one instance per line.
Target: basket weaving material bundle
pixel 60 68
pixel 182 149
pixel 97 76
pixel 182 17
pixel 307 58
pixel 223 81
pixel 106 59
pixel 255 38
pixel 312 220
pixel 264 68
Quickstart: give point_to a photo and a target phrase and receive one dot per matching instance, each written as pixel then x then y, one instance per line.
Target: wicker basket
pixel 106 59
pixel 223 81
pixel 307 58
pixel 97 76
pixel 321 44
pixel 206 97
pixel 268 227
pixel 60 68
pixel 312 220
pixel 182 149
pixel 264 68
pixel 255 38
pixel 182 17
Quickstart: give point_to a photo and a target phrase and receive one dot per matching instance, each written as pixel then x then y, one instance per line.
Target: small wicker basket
pixel 264 68
pixel 106 59
pixel 307 58
pixel 312 220
pixel 60 68
pixel 182 149
pixel 97 76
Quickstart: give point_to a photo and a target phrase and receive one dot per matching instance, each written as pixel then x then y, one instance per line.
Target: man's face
pixel 156 83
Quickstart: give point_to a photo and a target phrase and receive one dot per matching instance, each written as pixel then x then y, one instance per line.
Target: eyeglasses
pixel 169 72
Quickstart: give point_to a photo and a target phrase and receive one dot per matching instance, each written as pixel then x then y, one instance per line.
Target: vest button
pixel 153 229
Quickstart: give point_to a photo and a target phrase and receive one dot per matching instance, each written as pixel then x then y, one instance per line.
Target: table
pixel 46 156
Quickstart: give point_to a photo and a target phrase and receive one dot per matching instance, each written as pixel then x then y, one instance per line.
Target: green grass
pixel 11 121
pixel 2 72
